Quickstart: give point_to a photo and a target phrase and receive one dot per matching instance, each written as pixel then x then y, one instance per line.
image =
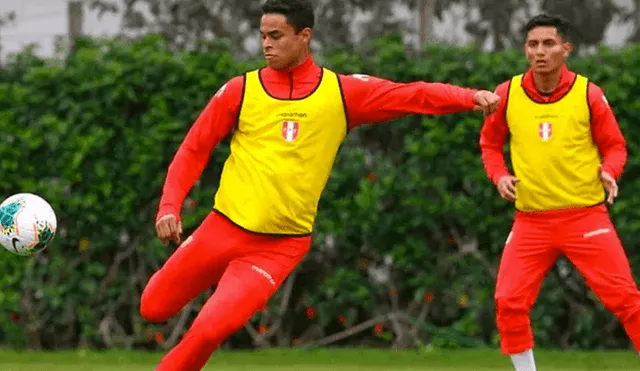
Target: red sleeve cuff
pixel 497 176
pixel 611 171
pixel 167 210
pixel 472 97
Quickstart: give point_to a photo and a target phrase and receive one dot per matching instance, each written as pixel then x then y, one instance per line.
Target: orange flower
pixel 159 337
pixel 311 313
pixel 428 297
pixel 377 329
pixel 464 299
pixel 262 329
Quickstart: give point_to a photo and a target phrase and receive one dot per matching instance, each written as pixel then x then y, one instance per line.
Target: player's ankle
pixel 524 361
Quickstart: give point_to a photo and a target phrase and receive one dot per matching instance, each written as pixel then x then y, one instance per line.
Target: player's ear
pixel 568 48
pixel 305 33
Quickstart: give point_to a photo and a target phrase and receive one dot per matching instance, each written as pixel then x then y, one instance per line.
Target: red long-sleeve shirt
pixel 604 126
pixel 367 99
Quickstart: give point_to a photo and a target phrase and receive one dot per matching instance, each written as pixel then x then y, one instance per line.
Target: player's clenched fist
pixel 486 101
pixel 169 229
pixel 507 187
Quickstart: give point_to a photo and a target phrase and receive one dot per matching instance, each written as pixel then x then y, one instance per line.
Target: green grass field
pixel 325 360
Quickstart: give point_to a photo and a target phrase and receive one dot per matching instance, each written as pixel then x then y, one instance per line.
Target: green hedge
pixel 409 231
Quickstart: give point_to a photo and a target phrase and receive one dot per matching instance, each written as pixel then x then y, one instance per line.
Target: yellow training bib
pixel 552 150
pixel 281 157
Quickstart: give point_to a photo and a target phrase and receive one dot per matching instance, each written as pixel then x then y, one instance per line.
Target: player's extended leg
pixel 527 257
pixel 593 246
pixel 245 287
pixel 196 265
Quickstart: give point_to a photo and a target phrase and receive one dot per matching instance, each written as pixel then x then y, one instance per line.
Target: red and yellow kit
pixel 287 127
pixel 559 144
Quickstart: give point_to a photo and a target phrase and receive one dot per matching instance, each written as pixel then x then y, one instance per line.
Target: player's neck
pixel 299 62
pixel 547 83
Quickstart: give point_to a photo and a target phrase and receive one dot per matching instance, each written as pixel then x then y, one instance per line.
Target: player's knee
pixel 625 306
pixel 220 324
pixel 152 308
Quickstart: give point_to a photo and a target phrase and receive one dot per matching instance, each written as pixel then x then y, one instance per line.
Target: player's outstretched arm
pixel 371 99
pixel 213 124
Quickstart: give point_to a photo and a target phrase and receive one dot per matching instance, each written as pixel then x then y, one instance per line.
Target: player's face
pixel 282 46
pixel 546 50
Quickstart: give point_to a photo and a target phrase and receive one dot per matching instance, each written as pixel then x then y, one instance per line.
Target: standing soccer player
pixel 288 121
pixel 566 150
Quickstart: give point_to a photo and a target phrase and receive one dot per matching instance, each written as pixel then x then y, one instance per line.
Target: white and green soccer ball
pixel 27 223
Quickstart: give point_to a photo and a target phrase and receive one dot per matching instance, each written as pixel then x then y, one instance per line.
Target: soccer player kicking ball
pixel 561 126
pixel 288 121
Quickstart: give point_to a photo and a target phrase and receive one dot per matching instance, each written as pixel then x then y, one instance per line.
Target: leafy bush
pixel 408 236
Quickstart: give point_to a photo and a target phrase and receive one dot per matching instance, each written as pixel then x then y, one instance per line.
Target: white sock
pixel 524 361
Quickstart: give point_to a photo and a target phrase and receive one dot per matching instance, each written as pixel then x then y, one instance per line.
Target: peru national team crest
pixel 290 130
pixel 545 129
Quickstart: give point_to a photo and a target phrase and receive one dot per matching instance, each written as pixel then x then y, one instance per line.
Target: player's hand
pixel 610 185
pixel 507 187
pixel 486 102
pixel 169 229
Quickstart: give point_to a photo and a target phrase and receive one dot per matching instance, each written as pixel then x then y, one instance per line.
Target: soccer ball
pixel 27 224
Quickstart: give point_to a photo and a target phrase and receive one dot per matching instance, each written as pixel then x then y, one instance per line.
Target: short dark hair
pixel 299 13
pixel 562 26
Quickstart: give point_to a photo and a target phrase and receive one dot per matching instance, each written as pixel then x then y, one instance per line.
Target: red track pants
pixel 248 269
pixel 588 239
